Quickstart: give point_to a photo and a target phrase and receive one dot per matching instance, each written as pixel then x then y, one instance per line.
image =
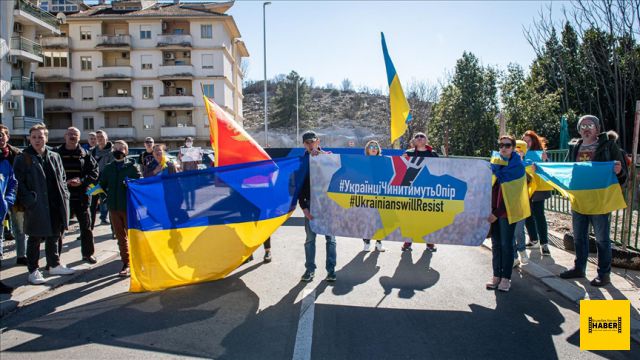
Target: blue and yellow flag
pixel 592 187
pixel 94 189
pixel 536 183
pixel 513 183
pixel 400 111
pixel 198 226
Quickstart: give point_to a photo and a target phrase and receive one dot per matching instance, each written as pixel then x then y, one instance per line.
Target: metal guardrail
pixel 37 12
pixel 25 83
pixel 24 44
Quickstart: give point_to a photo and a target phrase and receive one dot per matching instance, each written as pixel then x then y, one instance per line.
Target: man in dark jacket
pixel 594 146
pixel 81 171
pixel 16 213
pixel 42 189
pixel 312 147
pixel 113 182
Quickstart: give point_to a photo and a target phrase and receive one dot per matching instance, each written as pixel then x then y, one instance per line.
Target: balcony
pixel 176 102
pixel 176 132
pixel 58 105
pixel 56 134
pixel 53 74
pixel 25 49
pixel 175 72
pixel 55 42
pixel 110 42
pixel 175 41
pixel 25 12
pixel 22 124
pixel 121 133
pixel 115 103
pixel 104 73
pixel 26 84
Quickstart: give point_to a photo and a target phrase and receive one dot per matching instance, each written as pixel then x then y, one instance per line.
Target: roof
pixel 157 10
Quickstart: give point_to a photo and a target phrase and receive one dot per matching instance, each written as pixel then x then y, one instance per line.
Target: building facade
pixel 138 68
pixel 23 24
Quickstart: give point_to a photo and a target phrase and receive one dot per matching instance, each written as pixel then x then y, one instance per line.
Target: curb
pixel 36 291
pixel 569 291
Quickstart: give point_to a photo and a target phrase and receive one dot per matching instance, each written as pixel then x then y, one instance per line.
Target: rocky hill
pixel 340 118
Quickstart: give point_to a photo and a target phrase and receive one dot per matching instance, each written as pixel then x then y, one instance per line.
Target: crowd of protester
pixel 43 186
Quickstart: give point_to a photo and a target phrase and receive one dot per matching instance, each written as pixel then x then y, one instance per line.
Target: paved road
pixel 390 305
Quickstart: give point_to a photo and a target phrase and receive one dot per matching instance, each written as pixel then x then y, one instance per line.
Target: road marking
pixel 304 336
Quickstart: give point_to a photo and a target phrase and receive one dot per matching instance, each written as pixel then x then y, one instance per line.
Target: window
pixel 85 63
pixel 147 92
pixel 206 31
pixel 147 62
pixel 87 93
pixel 207 61
pixel 180 91
pixel 145 31
pixel 63 93
pixel 55 59
pixel 87 123
pixel 207 89
pixel 147 121
pixel 122 92
pixel 85 33
pixel 178 31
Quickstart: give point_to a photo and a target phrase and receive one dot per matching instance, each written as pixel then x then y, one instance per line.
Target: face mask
pixel 118 155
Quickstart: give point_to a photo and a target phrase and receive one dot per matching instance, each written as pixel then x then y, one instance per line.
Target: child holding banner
pixel 373 149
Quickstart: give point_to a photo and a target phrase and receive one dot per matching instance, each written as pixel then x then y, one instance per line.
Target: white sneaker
pixel 524 258
pixel 367 247
pixel 516 263
pixel 36 278
pixel 379 247
pixel 61 270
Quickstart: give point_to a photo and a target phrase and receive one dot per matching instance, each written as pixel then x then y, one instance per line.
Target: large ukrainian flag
pixel 513 183
pixel 592 187
pixel 198 226
pixel 400 111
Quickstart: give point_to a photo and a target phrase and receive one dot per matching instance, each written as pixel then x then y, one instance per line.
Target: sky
pixel 334 40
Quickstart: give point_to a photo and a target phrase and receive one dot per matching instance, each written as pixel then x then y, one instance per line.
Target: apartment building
pixel 138 68
pixel 22 97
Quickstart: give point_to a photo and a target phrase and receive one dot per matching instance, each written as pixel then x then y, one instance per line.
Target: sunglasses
pixel 505 145
pixel 587 126
pixel 373 147
pixel 148 142
pixel 420 137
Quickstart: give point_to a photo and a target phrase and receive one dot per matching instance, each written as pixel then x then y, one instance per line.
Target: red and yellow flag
pixel 230 143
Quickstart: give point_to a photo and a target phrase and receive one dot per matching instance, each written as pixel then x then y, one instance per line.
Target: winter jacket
pixel 8 187
pixel 112 180
pixel 33 192
pixel 78 163
pixel 607 150
pixel 13 152
pixel 104 156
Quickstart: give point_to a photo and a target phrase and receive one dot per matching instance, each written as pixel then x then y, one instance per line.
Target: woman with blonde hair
pixel 373 149
pixel 165 165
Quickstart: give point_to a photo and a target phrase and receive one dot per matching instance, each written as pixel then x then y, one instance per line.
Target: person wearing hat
pixel 594 145
pixel 311 144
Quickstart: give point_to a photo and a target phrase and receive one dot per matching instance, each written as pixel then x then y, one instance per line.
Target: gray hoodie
pixel 104 156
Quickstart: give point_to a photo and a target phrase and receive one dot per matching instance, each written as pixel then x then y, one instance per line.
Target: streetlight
pixel 297 118
pixel 264 32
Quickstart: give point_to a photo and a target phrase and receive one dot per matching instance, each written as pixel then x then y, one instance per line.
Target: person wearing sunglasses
pixel 594 145
pixel 420 149
pixel 147 161
pixel 373 149
pixel 502 232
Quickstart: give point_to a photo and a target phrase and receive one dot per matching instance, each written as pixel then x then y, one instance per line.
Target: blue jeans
pixel 17 230
pixel 502 248
pixel 518 238
pixel 537 223
pixel 601 227
pixel 310 250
